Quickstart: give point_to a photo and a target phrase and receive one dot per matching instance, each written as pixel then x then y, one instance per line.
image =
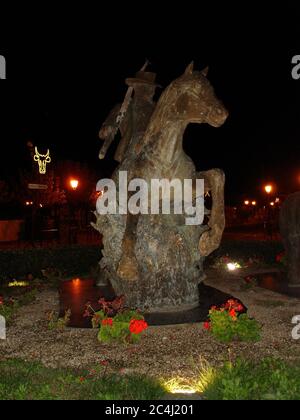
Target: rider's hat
pixel 142 78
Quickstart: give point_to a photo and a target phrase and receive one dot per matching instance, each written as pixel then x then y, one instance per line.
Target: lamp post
pixel 74 183
pixel 268 228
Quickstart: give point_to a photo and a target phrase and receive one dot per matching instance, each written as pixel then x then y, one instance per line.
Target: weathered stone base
pixel 167 259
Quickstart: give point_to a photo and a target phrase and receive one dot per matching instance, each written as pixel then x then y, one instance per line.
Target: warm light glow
pixel 29 203
pixel 268 189
pixel 180 386
pixel 253 203
pixel 246 202
pixel 272 204
pixel 183 391
pixel 277 200
pixel 233 266
pixel 74 184
pixel 18 284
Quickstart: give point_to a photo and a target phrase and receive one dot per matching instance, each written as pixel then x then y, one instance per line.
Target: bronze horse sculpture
pixel 156 260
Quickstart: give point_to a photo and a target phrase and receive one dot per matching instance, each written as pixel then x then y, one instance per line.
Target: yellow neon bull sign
pixel 42 160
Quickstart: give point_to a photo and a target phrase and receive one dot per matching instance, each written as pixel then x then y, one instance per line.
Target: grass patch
pixel 20 380
pixel 267 380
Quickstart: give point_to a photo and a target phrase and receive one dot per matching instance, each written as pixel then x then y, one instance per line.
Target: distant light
pixel 76 282
pixel 272 204
pixel 277 200
pixel 268 189
pixel 253 203
pixel 246 202
pixel 18 284
pixel 74 183
pixel 233 266
pixel 41 206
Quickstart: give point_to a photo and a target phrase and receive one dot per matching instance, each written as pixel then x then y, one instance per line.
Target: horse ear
pixel 205 71
pixel 189 70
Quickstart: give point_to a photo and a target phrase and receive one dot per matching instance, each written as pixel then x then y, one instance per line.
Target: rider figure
pixel 136 117
pixel 132 128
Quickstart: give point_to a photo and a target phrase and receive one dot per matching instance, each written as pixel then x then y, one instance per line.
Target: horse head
pixel 193 99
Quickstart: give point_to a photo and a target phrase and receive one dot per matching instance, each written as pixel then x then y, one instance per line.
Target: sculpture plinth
pixel 156 260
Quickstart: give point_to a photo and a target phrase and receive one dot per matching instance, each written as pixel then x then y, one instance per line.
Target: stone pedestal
pixel 168 261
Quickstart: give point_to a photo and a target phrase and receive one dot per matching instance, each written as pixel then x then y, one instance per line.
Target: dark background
pixel 66 69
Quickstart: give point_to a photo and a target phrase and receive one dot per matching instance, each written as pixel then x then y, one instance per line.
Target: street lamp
pixel 254 203
pixel 74 184
pixel 246 202
pixel 268 188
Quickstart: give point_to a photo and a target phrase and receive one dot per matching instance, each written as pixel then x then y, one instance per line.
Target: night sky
pixel 66 69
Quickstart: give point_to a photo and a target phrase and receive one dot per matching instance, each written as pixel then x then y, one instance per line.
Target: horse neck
pixel 166 144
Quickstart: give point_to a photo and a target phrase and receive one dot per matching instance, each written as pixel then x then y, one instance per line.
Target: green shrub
pixel 224 328
pixel 115 321
pixel 125 327
pixel 228 323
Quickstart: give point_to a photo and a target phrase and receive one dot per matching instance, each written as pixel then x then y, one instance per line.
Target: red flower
pixel 136 326
pixel 207 325
pixel 232 313
pixel 107 321
pixel 82 379
pixel 239 308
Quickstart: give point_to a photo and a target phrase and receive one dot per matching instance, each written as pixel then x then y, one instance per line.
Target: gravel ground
pixel 167 351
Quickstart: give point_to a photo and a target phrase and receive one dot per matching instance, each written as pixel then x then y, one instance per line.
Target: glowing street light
pixel 246 202
pixel 74 184
pixel 272 204
pixel 268 189
pixel 254 203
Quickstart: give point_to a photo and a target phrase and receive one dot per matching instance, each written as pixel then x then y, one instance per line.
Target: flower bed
pixel 115 322
pixel 230 322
